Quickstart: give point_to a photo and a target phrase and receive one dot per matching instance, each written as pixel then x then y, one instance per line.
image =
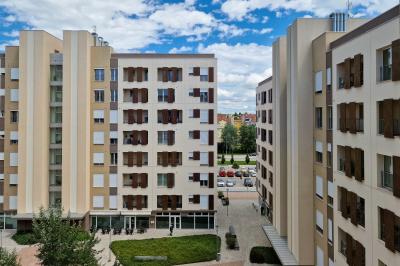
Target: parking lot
pixel 236 178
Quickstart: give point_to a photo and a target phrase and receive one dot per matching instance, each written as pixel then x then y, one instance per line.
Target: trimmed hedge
pixel 264 255
pixel 28 238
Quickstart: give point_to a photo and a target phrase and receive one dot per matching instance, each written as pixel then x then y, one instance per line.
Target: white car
pixel 230 183
pixel 220 183
pixel 253 174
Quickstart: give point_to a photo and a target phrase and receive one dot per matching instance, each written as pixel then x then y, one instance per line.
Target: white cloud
pixel 13 33
pixel 240 68
pixel 182 49
pixel 8 43
pixel 265 19
pixel 263 31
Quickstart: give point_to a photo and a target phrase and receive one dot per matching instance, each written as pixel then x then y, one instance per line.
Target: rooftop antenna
pixel 349 6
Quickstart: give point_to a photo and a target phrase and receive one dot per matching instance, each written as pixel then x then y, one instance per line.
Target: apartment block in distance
pixel 113 138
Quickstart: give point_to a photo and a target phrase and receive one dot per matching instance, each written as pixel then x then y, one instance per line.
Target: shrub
pixel 232 160
pixel 264 255
pixel 24 238
pixel 235 165
pixel 220 194
pixel 8 258
pixel 223 159
pixel 247 159
pixel 230 240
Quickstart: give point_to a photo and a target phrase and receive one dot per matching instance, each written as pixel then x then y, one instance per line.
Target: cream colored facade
pixel 66 133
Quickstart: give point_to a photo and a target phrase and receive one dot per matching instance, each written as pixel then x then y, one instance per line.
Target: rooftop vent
pixel 338 21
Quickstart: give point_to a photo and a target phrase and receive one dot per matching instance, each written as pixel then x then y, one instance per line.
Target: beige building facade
pixel 114 139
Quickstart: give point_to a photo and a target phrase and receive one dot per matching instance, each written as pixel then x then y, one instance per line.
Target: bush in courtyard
pixel 230 240
pixel 220 194
pixel 232 160
pixel 223 159
pixel 24 238
pixel 235 165
pixel 8 258
pixel 247 159
pixel 264 255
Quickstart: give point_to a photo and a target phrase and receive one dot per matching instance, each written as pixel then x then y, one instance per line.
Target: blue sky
pixel 239 32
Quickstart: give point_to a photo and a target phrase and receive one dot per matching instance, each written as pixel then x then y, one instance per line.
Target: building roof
pixel 223 117
pixel 265 81
pixel 376 22
pixel 156 55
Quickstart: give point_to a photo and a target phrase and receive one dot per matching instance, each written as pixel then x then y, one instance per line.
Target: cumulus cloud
pixel 182 49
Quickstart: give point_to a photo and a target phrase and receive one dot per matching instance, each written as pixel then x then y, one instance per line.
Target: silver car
pixel 230 183
pixel 220 183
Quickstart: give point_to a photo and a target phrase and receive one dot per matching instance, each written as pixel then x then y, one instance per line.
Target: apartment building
pixel 366 154
pixel 115 139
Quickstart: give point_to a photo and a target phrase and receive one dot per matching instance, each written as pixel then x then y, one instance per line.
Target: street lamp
pixel 227 203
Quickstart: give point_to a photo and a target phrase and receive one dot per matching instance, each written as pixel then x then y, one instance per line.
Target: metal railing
pixel 385 73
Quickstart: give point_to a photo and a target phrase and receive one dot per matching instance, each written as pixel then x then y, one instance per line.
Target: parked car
pixel 253 174
pixel 253 154
pixel 246 174
pixel 222 168
pixel 230 173
pixel 230 183
pixel 220 182
pixel 238 174
pixel 248 182
pixel 222 173
pixel 252 171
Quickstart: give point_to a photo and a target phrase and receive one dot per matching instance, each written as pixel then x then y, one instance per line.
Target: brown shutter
pixel 174 116
pixel 170 180
pixel 342 121
pixel 349 249
pixel 164 202
pixel 130 74
pixel 388 118
pixel 131 119
pixel 352 117
pixel 210 137
pixel 171 97
pixel 173 201
pixel 211 95
pixel 129 200
pixel 196 71
pixel 210 158
pixel 144 137
pixel 139 74
pixel 174 74
pixel 389 230
pixel 139 202
pixel 353 208
pixel 196 199
pixel 173 158
pixel 130 159
pixel 196 134
pixel 134 181
pixel 139 158
pixel 135 94
pixel 358 71
pixel 211 116
pixel 196 177
pixel 164 74
pixel 358 164
pixel 165 116
pixel 139 114
pixel 145 95
pixel 343 202
pixel 211 202
pixel 143 180
pixel 396 60
pixel 210 74
pixel 134 137
pixel 196 92
pixel 396 176
pixel 347 160
pixel 164 158
pixel 211 180
pixel 360 254
pixel 196 155
pixel 347 73
pixel 196 113
pixel 171 137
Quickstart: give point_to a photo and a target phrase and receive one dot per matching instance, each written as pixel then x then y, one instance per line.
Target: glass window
pixel 387 176
pixel 99 74
pixel 114 74
pixel 114 95
pixel 204 95
pixel 114 158
pixel 203 74
pixel 55 156
pixel 162 95
pixel 56 94
pixel 99 96
pixel 386 67
pixel 55 135
pixel 162 222
pixel 162 137
pixel 56 73
pixel 162 180
pixel 55 114
pixel 318 117
pixel 14 116
pixel 55 178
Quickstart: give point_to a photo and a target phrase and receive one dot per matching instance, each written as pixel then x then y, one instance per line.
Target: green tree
pixel 247 138
pixel 8 258
pixel 232 160
pixel 60 240
pixel 247 159
pixel 223 159
pixel 229 137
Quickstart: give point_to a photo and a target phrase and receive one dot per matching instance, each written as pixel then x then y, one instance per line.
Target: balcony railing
pixel 385 73
pixel 387 180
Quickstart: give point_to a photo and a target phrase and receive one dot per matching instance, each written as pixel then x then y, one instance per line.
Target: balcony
pixel 385 73
pixel 387 180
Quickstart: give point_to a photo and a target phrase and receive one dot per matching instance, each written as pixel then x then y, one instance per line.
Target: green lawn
pixel 227 162
pixel 179 250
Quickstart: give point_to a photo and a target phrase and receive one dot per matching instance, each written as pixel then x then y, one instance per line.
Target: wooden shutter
pixel 210 74
pixel 196 155
pixel 139 161
pixel 164 158
pixel 173 201
pixel 134 137
pixel 211 180
pixel 135 95
pixel 196 92
pixel 389 230
pixel 211 116
pixel 196 199
pixel 164 202
pixel 174 74
pixel 210 137
pixel 171 97
pixel 174 116
pixel 144 137
pixel 359 254
pixel 129 200
pixel 196 71
pixel 170 180
pixel 353 208
pixel 165 116
pixel 143 180
pixel 139 202
pixel 210 158
pixel 388 118
pixel 196 113
pixel 196 177
pixel 211 202
pixel 352 117
pixel 349 249
pixel 359 154
pixel 342 121
pixel 139 114
pixel 347 160
pixel 171 137
pixel 131 119
pixel 172 157
pixel 396 60
pixel 358 71
pixel 211 95
pixel 145 95
pixel 343 202
pixel 396 176
pixel 347 73
pixel 130 74
pixel 196 134
pixel 165 74
pixel 139 75
pixel 134 180
pixel 130 159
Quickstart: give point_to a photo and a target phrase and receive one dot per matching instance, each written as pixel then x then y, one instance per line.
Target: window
pixel 98 116
pixel 55 156
pixel 162 180
pixel 204 180
pixel 56 94
pixel 319 189
pixel 328 76
pixel 387 173
pixel 318 117
pixel 320 257
pixel 329 155
pixel 190 198
pixel 203 116
pixel 360 211
pixel 162 95
pixel 270 96
pixel 56 115
pixel 99 96
pixel 14 137
pixel 14 116
pixel 386 65
pixel 330 115
pixel 55 136
pixel 318 151
pixel 114 74
pixel 14 73
pixel 203 95
pixel 13 202
pixel 114 95
pixel 98 180
pixel 56 72
pixel 319 221
pixel 98 201
pixel 204 137
pixel 330 231
pixel 331 189
pixel 114 158
pixel 13 159
pixel 14 95
pixel 112 182
pixel 113 137
pixel 162 137
pixel 318 82
pixel 203 158
pixel 13 179
pixel 203 74
pixel 113 116
pixel 190 176
pixel 203 201
pixel 191 93
pixel 99 74
pixel 98 158
pixel 98 138
pixel 113 202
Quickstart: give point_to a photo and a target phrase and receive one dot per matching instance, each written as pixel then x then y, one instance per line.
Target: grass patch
pixel 264 255
pixel 179 250
pixel 227 162
pixel 28 238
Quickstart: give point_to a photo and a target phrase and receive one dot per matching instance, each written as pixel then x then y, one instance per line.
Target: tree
pixel 232 160
pixel 229 137
pixel 61 241
pixel 8 258
pixel 247 138
pixel 247 159
pixel 223 159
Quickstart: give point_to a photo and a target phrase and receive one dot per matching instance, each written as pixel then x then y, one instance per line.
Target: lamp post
pixel 109 248
pixel 216 239
pixel 227 205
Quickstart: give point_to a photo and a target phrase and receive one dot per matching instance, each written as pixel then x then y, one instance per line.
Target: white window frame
pixel 204 116
pixel 98 180
pixel 113 180
pixel 98 137
pixel 14 95
pixel 204 137
pixel 13 159
pixel 204 202
pixel 318 81
pixel 98 201
pixel 98 158
pixel 13 179
pixel 319 186
pixel 113 202
pixel 113 116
